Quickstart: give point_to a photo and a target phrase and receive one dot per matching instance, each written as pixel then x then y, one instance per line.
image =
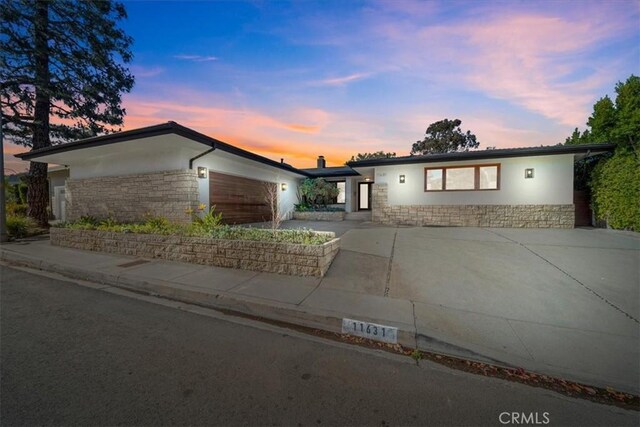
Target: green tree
pixel 613 180
pixel 62 67
pixel 627 130
pixel 445 136
pixel 370 156
pixel 602 121
pixel 578 138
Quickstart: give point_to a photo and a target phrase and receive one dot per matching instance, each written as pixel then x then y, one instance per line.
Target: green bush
pixel 20 226
pixel 16 209
pixel 305 208
pixel 208 222
pixel 317 191
pixel 615 187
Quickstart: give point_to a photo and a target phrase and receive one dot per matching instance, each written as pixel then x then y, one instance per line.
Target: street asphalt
pixel 72 355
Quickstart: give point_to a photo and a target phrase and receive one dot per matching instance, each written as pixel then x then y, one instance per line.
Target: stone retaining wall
pixel 319 216
pixel 129 198
pixel 282 258
pixel 511 216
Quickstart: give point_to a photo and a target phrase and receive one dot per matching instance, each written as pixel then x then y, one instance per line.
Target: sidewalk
pixel 302 301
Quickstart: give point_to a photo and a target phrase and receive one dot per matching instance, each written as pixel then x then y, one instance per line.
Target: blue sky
pixel 300 79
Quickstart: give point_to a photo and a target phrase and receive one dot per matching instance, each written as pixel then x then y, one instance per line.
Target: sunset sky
pixel 300 79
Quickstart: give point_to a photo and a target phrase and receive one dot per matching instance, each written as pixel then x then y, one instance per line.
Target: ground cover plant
pixel 208 225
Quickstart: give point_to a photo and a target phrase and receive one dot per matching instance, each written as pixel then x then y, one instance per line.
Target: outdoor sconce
pixel 283 186
pixel 528 173
pixel 401 179
pixel 367 179
pixel 202 172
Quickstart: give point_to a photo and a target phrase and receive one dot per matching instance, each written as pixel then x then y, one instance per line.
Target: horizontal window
pixel 462 178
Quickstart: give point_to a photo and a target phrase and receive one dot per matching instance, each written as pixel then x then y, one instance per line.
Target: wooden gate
pixel 582 203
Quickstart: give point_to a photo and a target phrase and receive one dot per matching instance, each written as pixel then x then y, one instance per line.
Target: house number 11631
pixel 372 331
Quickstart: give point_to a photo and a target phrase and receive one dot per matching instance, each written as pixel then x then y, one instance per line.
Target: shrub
pixel 16 209
pixel 209 221
pixel 20 226
pixel 317 191
pixel 304 208
pixel 615 186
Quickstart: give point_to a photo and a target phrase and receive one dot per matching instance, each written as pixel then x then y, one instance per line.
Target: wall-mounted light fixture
pixel 202 172
pixel 367 179
pixel 528 173
pixel 283 186
pixel 402 179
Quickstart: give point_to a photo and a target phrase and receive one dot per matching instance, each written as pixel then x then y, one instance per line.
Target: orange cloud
pixel 303 128
pixel 314 133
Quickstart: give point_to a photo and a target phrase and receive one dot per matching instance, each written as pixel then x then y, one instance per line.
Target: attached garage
pixel 239 199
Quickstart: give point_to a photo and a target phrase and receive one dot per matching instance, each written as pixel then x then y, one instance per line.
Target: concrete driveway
pixel 557 300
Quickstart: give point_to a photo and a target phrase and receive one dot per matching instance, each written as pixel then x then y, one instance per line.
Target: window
pixel 462 178
pixel 434 180
pixel 341 185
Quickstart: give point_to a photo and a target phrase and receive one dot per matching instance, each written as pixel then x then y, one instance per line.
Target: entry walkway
pixel 560 302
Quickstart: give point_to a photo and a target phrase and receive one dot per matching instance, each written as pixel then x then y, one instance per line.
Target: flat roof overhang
pixel 580 151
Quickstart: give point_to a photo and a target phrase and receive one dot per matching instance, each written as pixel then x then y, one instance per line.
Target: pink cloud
pixel 539 60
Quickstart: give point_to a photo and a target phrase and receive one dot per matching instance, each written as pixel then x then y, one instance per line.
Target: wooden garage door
pixel 240 200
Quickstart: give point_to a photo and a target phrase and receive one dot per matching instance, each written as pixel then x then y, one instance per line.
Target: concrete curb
pixel 275 311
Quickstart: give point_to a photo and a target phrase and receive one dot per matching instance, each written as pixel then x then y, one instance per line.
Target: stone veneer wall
pixel 319 216
pixel 282 258
pixel 130 198
pixel 529 216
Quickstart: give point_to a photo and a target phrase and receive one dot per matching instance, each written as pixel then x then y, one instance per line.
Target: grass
pixel 212 229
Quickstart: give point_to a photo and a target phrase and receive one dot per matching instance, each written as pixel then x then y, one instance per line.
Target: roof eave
pixel 488 154
pixel 157 130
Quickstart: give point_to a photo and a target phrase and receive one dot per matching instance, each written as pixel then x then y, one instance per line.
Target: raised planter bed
pixel 272 257
pixel 320 215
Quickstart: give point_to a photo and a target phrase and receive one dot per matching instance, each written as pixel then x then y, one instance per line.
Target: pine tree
pixel 63 72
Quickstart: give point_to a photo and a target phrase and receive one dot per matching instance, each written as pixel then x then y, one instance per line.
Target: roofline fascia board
pixel 487 154
pixel 334 175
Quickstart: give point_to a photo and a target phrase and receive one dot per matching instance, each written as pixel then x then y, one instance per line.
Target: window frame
pixel 476 177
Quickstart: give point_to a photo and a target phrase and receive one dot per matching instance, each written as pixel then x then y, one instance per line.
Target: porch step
pixel 358 216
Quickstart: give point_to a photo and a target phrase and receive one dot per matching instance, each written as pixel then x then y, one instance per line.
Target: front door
pixel 364 196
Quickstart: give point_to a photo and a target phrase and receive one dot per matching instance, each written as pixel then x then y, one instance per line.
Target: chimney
pixel 281 160
pixel 321 162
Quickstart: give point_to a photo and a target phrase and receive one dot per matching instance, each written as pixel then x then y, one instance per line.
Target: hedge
pixel 615 187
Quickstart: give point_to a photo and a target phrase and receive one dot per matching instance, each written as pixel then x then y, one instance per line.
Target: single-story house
pixel 170 170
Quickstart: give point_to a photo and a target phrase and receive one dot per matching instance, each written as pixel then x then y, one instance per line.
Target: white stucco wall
pixel 155 154
pixel 552 183
pixel 172 152
pixel 220 161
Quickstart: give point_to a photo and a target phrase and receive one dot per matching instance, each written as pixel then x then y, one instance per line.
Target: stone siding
pixel 282 258
pixel 319 216
pixel 510 216
pixel 130 198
